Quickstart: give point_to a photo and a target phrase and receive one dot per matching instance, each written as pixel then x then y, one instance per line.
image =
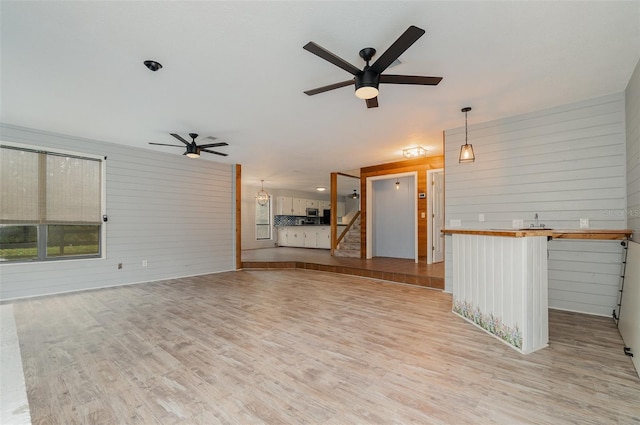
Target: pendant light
pixel 262 197
pixel 466 150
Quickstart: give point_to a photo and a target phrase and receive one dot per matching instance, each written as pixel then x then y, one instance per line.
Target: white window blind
pixel 46 188
pixel 18 186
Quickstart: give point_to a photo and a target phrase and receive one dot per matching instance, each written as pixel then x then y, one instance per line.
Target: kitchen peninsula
pixel 500 280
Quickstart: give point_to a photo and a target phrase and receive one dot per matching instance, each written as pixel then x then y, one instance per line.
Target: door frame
pixel 430 193
pixel 369 215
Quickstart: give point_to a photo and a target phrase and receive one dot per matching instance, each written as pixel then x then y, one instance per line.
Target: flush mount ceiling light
pixel 262 197
pixel 416 152
pixel 466 150
pixel 354 195
pixel 321 188
pixel 153 65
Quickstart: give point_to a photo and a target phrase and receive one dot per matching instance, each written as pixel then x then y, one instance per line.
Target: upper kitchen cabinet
pixel 284 205
pixel 299 207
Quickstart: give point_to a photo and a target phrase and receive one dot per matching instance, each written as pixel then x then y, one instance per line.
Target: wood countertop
pixel 596 234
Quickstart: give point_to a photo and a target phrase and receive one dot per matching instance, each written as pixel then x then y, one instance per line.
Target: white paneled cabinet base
pixel 500 284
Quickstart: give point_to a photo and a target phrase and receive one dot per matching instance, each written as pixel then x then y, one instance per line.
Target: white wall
pixel 632 98
pixel 174 212
pixel 563 163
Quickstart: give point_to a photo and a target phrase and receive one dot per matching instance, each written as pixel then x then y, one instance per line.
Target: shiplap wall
pixel 632 98
pixel 563 163
pixel 174 212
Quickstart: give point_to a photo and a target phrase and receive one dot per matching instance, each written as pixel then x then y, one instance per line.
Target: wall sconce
pixel 466 150
pixel 397 184
pixel 416 152
pixel 262 197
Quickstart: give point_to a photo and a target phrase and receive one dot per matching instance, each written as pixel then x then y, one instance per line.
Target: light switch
pixel 584 223
pixel 455 223
pixel 423 214
pixel 517 223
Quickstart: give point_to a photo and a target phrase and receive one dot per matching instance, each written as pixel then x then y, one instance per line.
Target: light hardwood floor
pixel 307 347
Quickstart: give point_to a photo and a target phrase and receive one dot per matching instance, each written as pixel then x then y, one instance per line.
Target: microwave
pixel 312 212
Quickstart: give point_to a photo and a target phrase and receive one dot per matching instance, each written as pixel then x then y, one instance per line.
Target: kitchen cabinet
pixel 284 205
pixel 282 236
pixel 295 237
pixel 323 205
pixel 312 203
pixel 299 207
pixel 310 238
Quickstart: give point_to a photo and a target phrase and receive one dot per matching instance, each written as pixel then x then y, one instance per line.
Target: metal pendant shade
pixel 466 150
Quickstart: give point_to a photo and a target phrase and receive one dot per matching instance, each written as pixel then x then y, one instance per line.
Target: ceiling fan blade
pixel 217 153
pixel 164 144
pixel 410 36
pixel 410 79
pixel 329 87
pixel 372 103
pixel 213 145
pixel 330 57
pixel 177 136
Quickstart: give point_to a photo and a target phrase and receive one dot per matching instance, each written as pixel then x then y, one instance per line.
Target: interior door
pixel 437 217
pixel 629 323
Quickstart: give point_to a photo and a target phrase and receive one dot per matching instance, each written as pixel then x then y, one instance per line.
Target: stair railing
pixel 346 229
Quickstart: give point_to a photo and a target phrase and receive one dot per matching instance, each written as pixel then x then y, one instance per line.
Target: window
pixel 50 205
pixel 263 220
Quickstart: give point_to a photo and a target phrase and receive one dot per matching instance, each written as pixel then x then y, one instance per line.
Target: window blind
pixel 49 188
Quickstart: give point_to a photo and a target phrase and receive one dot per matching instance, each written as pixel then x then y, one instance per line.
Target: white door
pixel 629 323
pixel 437 217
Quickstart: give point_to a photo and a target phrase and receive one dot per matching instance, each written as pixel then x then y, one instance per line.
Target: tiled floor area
pixel 391 269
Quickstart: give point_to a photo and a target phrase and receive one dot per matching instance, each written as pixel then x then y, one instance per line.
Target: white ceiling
pixel 237 71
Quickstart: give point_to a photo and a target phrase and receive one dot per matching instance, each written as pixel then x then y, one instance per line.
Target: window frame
pixel 269 217
pixel 42 228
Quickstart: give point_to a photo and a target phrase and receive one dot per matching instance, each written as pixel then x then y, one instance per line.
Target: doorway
pixel 435 212
pixel 391 219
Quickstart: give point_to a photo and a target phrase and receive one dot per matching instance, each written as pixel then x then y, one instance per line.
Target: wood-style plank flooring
pixel 307 347
pixel 392 269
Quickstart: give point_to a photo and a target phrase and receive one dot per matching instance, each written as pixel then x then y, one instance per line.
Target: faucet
pixel 536 218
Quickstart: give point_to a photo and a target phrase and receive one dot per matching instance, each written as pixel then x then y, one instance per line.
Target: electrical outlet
pixel 423 214
pixel 480 218
pixel 517 223
pixel 584 223
pixel 144 263
pixel 455 223
pixel 119 266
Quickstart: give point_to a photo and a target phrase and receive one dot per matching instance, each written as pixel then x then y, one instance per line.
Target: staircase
pixel 349 246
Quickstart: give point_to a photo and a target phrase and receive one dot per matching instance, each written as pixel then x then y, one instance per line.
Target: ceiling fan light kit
pixel 466 150
pixel 367 80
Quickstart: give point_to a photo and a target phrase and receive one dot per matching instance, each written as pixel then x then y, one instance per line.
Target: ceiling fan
pixel 193 150
pixel 366 80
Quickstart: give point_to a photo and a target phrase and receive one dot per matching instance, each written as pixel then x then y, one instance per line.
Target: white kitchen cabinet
pixel 312 203
pixel 324 237
pixel 284 205
pixel 295 237
pixel 310 237
pixel 323 205
pixel 282 236
pixel 299 207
